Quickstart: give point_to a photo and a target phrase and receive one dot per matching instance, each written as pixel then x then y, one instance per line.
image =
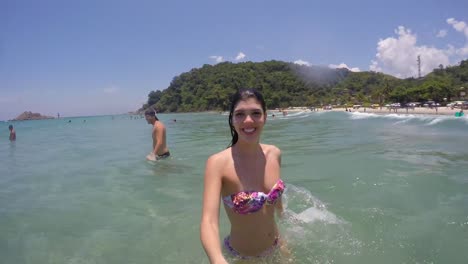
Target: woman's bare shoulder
pixel 271 149
pixel 219 158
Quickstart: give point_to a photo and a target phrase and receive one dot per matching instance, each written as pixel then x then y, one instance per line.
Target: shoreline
pixel 406 111
pixel 400 111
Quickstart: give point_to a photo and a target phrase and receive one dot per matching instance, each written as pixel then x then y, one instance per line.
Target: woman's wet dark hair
pixel 243 94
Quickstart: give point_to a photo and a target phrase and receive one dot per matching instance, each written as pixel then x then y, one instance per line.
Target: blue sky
pixel 104 57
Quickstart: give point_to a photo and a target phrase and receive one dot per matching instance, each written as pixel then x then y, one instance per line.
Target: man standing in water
pixel 12 133
pixel 160 149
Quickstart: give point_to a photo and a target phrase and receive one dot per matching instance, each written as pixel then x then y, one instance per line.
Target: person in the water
pixel 160 149
pixel 246 178
pixel 12 133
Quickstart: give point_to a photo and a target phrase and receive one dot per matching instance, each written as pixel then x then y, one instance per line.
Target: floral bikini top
pixel 247 202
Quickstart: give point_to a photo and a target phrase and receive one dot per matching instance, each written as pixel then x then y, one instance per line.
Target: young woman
pixel 246 177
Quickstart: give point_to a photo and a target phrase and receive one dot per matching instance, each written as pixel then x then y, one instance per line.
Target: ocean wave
pixel 428 120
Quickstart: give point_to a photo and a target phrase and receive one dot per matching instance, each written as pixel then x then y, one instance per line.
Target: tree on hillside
pixel 286 84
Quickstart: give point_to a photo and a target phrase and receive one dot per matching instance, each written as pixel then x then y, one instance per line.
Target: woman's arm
pixel 209 226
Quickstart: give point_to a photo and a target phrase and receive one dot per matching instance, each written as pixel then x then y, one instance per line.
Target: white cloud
pixel 301 62
pixel 398 56
pixel 240 56
pixel 463 51
pixel 217 59
pixel 375 66
pixel 343 65
pixel 442 33
pixel 458 26
pixel 111 90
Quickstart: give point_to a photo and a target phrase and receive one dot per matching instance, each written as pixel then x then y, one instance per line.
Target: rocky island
pixel 28 115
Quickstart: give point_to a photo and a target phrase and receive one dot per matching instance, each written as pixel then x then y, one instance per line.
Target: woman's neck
pixel 246 148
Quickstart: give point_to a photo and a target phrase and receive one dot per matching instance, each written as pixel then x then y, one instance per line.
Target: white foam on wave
pixel 304 115
pixel 436 121
pixel 429 120
pixel 321 112
pixel 463 118
pixel 295 115
pixel 400 117
pixel 359 115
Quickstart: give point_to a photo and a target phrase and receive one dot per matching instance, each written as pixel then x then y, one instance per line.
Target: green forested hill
pixel 286 84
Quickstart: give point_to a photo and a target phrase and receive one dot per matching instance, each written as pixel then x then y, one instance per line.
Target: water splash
pixel 313 233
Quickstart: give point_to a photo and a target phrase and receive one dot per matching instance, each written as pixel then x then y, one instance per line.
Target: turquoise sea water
pixel 361 188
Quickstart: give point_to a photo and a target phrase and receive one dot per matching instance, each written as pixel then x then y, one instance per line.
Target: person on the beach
pixel 12 133
pixel 160 150
pixel 246 177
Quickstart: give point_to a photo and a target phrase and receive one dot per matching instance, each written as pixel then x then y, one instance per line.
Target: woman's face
pixel 248 119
